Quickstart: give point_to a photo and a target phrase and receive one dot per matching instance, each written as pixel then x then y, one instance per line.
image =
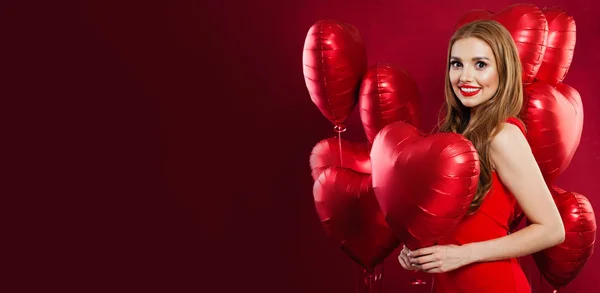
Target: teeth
pixel 469 90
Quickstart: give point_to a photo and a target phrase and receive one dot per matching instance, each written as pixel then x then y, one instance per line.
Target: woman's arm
pixel 520 173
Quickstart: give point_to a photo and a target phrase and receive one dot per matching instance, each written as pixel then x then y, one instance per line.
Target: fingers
pixel 405 252
pixel 405 249
pixel 403 262
pixel 424 251
pixel 424 259
pixel 430 266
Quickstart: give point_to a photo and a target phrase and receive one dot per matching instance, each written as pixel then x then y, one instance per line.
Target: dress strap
pixel 518 123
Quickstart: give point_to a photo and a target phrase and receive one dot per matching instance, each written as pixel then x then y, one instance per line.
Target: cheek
pixel 489 79
pixel 454 76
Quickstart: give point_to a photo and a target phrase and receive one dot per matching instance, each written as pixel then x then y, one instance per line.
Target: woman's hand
pixel 404 260
pixel 441 258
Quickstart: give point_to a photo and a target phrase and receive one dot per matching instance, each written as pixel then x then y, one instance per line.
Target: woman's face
pixel 473 72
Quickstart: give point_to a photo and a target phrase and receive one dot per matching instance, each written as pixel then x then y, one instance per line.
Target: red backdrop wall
pixel 171 138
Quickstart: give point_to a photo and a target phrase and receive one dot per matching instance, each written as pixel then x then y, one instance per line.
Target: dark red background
pixel 163 146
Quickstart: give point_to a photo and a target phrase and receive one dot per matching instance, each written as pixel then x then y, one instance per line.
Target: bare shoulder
pixel 509 136
pixel 509 146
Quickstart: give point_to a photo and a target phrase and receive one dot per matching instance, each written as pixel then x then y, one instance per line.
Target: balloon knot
pixel 339 128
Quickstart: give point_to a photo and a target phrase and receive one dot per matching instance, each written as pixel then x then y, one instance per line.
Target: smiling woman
pixel 484 96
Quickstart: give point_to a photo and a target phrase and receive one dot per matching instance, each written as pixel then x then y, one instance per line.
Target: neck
pixel 471 114
pixel 472 111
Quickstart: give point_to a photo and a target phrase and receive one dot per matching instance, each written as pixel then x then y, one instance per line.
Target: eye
pixel 480 65
pixel 455 64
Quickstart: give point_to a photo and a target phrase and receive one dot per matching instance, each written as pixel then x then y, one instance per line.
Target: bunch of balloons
pixel 407 186
pixel 338 78
pixel 365 214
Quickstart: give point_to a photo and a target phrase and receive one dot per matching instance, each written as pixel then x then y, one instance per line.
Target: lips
pixel 468 91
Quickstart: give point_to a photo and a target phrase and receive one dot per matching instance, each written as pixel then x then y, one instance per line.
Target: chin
pixel 469 102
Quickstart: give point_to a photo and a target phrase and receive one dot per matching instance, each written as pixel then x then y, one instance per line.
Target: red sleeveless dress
pixel 489 222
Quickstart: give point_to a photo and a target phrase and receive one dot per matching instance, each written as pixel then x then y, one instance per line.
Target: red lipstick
pixel 468 90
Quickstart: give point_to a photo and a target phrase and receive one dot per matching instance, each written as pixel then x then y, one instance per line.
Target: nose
pixel 467 74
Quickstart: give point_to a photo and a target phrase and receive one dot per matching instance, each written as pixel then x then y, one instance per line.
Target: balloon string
pixel 365 281
pixel 355 281
pixel 432 283
pixel 368 277
pixel 381 278
pixel 340 147
pixel 339 128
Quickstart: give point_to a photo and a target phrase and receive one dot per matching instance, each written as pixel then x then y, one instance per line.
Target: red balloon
pixel 554 122
pixel 387 95
pixel 334 60
pixel 562 263
pixel 560 48
pixel 326 153
pixel 529 29
pixel 473 15
pixel 424 184
pixel 346 204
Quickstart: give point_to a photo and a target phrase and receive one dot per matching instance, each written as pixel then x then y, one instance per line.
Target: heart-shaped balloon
pixel 424 184
pixel 529 29
pixel 334 61
pixel 387 94
pixel 562 263
pixel 473 15
pixel 560 47
pixel 346 204
pixel 554 121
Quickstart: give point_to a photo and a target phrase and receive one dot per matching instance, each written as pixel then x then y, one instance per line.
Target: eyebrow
pixel 474 59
